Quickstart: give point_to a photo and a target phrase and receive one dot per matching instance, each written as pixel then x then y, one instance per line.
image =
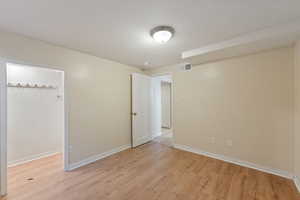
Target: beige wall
pixel 297 109
pixel 98 93
pixel 247 100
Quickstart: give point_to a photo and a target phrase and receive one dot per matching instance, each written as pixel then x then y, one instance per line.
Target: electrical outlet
pixel 229 143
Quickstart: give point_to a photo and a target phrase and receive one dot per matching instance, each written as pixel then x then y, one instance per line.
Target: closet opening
pixel 35 124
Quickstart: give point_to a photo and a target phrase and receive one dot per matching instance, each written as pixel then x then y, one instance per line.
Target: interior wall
pixel 297 110
pixel 35 116
pixel 97 93
pixel 166 104
pixel 240 107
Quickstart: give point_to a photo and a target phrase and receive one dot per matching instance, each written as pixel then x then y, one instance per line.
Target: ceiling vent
pixel 187 67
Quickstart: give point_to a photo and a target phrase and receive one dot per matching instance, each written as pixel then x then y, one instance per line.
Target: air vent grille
pixel 187 67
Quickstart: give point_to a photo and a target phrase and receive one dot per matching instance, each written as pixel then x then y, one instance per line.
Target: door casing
pixel 3 121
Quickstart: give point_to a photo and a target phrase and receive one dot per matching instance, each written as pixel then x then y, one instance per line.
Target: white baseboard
pixel 297 182
pixel 98 157
pixel 32 158
pixel 277 172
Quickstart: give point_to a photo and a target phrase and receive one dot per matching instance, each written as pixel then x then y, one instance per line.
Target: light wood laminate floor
pixel 150 172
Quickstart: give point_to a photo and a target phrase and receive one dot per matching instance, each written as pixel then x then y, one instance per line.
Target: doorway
pixel 166 102
pixel 33 121
pixel 163 108
pixel 151 109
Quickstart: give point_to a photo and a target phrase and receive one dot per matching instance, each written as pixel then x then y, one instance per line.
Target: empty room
pixel 150 100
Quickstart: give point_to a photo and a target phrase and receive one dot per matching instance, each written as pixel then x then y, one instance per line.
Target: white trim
pixel 277 172
pixel 297 182
pixel 32 158
pixel 3 123
pixel 3 127
pixel 98 157
pixel 172 96
pixel 66 147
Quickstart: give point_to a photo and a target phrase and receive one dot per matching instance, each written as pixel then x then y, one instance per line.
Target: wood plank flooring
pixel 150 172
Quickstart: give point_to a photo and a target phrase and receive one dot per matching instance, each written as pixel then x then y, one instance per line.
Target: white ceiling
pixel 119 30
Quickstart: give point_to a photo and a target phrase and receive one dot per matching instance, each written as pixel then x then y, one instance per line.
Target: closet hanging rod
pixel 19 85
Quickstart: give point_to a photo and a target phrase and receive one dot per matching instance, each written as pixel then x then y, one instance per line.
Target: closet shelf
pixel 19 85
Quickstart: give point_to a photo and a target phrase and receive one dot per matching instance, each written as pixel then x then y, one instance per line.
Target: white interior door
pixel 141 103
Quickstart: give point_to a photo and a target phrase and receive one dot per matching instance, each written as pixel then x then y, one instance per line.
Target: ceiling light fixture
pixel 162 34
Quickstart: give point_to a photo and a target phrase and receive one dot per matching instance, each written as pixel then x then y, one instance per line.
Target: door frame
pixel 171 94
pixel 3 120
pixel 172 97
pixel 3 125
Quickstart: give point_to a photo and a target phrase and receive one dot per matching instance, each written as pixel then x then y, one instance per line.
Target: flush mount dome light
pixel 162 34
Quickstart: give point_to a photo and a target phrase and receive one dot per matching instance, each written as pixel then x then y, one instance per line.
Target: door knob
pixel 134 113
